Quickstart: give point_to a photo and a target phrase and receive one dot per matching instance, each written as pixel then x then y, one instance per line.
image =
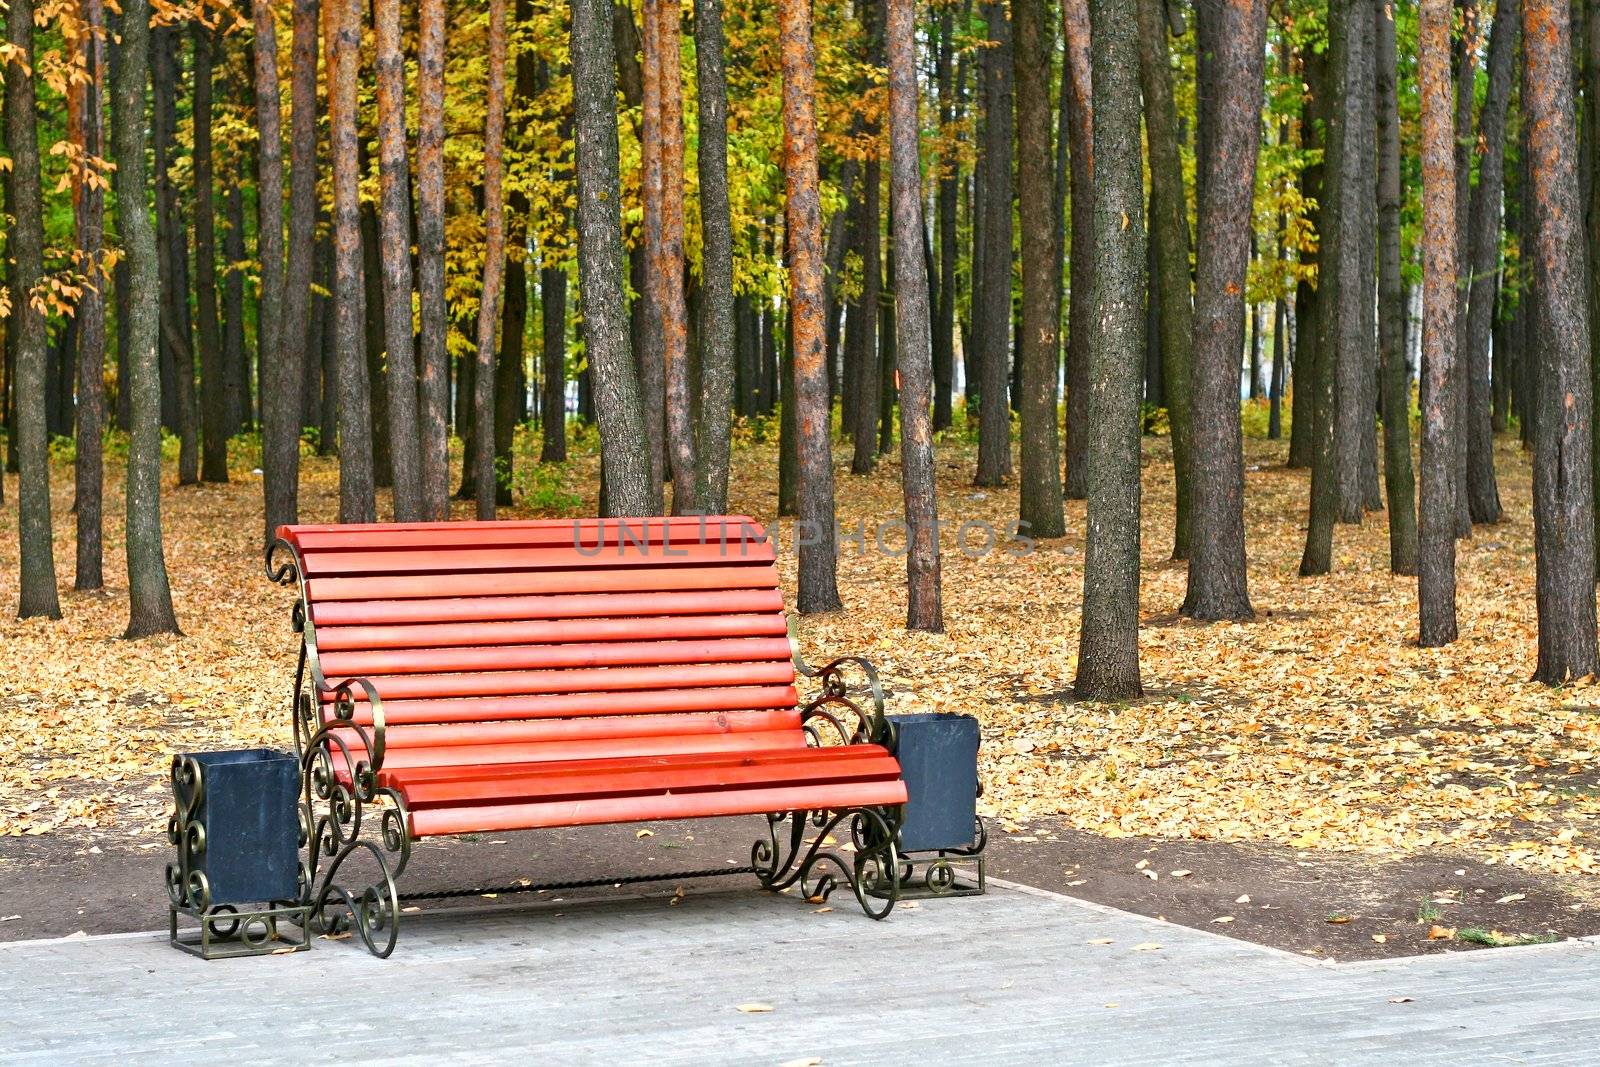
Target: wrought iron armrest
pixel 871 725
pixel 344 712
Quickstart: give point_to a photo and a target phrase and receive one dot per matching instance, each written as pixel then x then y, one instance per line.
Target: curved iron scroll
pixel 835 709
pixel 872 871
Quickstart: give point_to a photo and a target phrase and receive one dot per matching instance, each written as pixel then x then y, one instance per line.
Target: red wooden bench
pixel 471 677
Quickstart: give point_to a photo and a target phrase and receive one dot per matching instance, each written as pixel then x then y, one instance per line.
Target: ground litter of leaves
pixel 1319 725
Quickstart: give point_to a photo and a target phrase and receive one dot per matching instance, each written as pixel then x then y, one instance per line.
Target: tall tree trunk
pixel 89 465
pixel 236 363
pixel 1169 241
pixel 716 302
pixel 1108 647
pixel 864 328
pixel 819 589
pixel 1396 380
pixel 668 265
pixel 433 357
pixel 172 237
pixel 1483 492
pixel 1218 585
pixel 1354 354
pixel 280 380
pixel 1280 351
pixel 25 244
pixel 394 217
pixel 553 398
pixel 1041 512
pixel 649 342
pixel 342 35
pixel 326 350
pixel 618 405
pixel 914 346
pixel 149 595
pixel 1307 389
pixel 213 392
pixel 1436 557
pixel 994 425
pixel 1563 495
pixel 1466 72
pixel 493 263
pixel 299 335
pixel 949 175
pixel 1081 268
pixel 1591 131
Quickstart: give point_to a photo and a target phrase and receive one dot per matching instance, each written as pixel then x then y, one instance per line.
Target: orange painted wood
pixel 529 731
pixel 563 705
pixel 371 616
pixel 594 580
pixel 291 532
pixel 569 534
pixel 400 759
pixel 486 771
pixel 642 781
pixel 565 557
pixel 589 812
pixel 516 683
pixel 553 657
pixel 547 631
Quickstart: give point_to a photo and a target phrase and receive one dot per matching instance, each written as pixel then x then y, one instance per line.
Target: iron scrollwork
pixel 341 798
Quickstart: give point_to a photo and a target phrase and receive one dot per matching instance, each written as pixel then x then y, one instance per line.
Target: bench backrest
pixel 522 641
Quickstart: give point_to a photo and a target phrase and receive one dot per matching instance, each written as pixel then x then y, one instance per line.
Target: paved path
pixel 1010 978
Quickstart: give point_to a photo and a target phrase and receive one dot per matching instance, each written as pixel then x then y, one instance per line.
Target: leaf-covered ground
pixel 1320 725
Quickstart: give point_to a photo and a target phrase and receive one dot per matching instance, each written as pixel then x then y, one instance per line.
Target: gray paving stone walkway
pixel 1011 978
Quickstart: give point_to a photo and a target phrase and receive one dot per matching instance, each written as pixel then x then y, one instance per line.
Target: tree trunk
pixel 149 595
pixel 494 254
pixel 649 342
pixel 949 174
pixel 301 343
pixel 994 424
pixel 1563 498
pixel 1483 492
pixel 236 364
pixel 1354 339
pixel 615 384
pixel 1218 586
pixel 280 380
pixel 433 395
pixel 1169 241
pixel 1108 647
pixel 342 35
pixel 913 345
pixel 553 398
pixel 864 330
pixel 1466 68
pixel 213 392
pixel 816 531
pixel 1081 268
pixel 1396 380
pixel 1306 391
pixel 1280 351
pixel 89 465
pixel 717 342
pixel 173 241
pixel 668 264
pixel 1436 557
pixel 1591 130
pixel 25 245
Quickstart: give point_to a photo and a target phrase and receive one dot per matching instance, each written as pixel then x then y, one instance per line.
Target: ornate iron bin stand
pixel 943 833
pixel 236 826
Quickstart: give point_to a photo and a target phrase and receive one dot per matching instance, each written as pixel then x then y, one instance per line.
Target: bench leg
pixel 872 869
pixel 358 844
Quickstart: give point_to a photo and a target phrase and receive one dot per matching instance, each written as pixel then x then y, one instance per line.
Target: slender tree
pixel 213 392
pixel 280 406
pixel 494 255
pixel 394 216
pixel 949 179
pixel 1218 586
pixel 172 239
pixel 649 343
pixel 618 406
pixel 149 595
pixel 1483 492
pixel 1398 479
pixel 25 244
pixel 994 424
pixel 1563 494
pixel 914 345
pixel 1041 292
pixel 89 463
pixel 342 34
pixel 301 345
pixel 819 589
pixel 716 298
pixel 433 358
pixel 1108 646
pixel 672 306
pixel 1169 238
pixel 1077 87
pixel 1436 557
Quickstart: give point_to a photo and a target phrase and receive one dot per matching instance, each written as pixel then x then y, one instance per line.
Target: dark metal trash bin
pixel 236 826
pixel 938 753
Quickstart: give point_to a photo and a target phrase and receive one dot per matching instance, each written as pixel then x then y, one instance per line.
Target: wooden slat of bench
pixel 565 705
pixel 487 771
pixel 400 759
pixel 447 560
pixel 488 818
pixel 552 657
pixel 297 530
pixel 592 580
pixel 369 616
pixel 567 534
pixel 578 680
pixel 809 768
pixel 537 632
pixel 532 731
